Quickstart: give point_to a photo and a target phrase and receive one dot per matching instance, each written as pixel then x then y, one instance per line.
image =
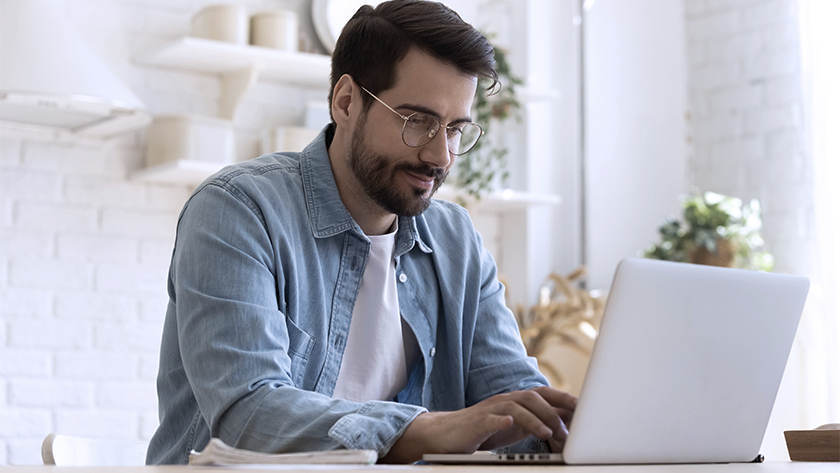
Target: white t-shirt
pixel 380 346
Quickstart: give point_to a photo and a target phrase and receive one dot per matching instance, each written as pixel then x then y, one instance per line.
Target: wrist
pixel 413 442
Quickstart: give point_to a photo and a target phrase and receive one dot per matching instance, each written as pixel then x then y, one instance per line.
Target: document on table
pixel 218 453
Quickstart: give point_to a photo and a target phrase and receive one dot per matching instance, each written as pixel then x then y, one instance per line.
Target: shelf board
pixel 504 200
pixel 220 57
pixel 185 172
pixel 189 172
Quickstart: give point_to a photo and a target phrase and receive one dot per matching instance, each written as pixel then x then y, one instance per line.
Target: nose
pixel 436 152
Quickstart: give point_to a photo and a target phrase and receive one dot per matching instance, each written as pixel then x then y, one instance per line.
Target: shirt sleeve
pixel 235 346
pixel 499 362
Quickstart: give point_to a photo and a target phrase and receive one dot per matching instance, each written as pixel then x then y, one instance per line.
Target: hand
pixel 500 420
pixel 556 415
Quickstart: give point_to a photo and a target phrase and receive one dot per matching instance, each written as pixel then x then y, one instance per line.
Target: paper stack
pixel 218 453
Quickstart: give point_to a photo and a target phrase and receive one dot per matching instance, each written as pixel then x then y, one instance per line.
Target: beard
pixel 377 175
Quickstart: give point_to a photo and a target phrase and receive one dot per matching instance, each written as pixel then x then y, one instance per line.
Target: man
pixel 322 300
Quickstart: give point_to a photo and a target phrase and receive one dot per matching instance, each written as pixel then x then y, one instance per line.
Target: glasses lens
pixel 419 129
pixel 463 141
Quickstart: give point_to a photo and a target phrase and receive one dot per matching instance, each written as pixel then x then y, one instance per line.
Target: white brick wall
pixel 51 393
pixel 96 365
pixel 25 363
pixel 746 108
pixel 49 333
pixel 84 250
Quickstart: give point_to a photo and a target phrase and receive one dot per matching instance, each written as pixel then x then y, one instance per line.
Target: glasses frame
pixel 405 119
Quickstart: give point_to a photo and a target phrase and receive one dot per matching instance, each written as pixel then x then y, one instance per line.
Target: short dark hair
pixel 376 39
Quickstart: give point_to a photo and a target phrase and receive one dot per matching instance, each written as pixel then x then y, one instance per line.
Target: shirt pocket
pixel 300 347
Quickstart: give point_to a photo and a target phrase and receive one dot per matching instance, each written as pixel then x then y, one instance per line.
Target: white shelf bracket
pixel 234 86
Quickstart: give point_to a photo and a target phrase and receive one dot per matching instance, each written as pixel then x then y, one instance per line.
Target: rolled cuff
pixel 376 426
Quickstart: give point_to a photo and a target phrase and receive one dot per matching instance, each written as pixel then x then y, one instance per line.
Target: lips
pixel 423 176
pixel 420 180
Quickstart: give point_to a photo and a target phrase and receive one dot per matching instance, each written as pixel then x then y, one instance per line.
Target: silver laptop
pixel 685 369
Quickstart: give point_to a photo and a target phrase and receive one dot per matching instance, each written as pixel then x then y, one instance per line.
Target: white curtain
pixel 810 392
pixel 819 336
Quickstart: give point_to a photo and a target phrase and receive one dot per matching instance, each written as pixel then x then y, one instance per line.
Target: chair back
pixel 67 450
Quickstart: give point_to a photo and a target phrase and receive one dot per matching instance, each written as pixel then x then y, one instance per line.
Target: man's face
pixel 377 175
pixel 400 179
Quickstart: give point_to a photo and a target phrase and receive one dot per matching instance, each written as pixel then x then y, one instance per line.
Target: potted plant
pixel 717 230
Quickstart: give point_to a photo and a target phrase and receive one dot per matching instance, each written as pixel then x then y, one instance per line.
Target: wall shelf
pixel 193 173
pixel 501 201
pixel 240 66
pixel 219 57
pixel 184 171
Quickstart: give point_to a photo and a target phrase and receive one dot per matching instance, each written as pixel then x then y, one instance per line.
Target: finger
pixel 538 406
pixel 562 432
pixel 557 398
pixel 525 418
pixel 565 415
pixel 556 446
pixel 494 423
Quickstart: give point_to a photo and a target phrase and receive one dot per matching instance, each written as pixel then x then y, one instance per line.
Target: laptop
pixel 685 368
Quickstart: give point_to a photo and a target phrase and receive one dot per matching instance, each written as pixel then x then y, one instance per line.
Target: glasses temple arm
pixel 385 104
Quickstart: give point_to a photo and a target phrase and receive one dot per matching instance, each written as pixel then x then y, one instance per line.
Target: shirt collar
pixel 327 214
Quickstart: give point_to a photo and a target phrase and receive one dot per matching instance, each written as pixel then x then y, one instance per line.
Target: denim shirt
pixel 264 276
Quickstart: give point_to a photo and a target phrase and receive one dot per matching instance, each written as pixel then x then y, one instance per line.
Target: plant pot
pixel 724 256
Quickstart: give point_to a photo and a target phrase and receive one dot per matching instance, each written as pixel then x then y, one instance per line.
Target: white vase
pixel 275 29
pixel 222 23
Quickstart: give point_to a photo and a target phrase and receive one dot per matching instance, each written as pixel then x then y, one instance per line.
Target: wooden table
pixel 768 467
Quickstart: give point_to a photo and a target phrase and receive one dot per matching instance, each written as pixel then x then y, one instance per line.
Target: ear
pixel 345 99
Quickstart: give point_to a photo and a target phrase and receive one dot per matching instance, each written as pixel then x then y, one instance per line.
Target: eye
pixel 422 121
pixel 455 131
pixel 414 120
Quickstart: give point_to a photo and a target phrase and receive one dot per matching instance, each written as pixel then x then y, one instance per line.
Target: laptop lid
pixel 686 365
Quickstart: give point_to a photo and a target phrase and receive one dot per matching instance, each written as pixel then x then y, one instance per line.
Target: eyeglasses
pixel 419 129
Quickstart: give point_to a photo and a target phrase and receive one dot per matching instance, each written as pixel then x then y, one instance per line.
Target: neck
pixel 376 226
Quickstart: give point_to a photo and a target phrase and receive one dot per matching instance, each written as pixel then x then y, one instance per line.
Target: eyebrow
pixel 428 111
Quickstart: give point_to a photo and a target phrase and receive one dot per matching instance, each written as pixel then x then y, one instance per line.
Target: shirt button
pixel 432 352
pixel 403 277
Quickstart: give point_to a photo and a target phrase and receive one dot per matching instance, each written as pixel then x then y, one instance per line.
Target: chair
pixel 67 450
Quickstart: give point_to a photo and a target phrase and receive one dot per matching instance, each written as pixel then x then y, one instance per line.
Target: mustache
pixel 424 170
